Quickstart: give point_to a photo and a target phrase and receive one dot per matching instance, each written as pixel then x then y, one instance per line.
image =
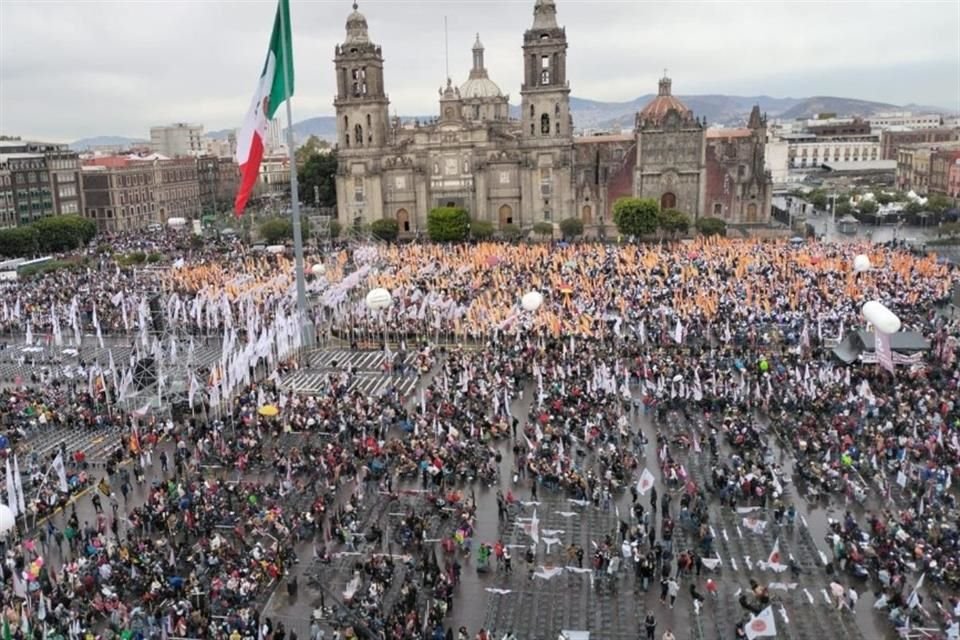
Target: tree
pixel 511 232
pixel 938 204
pixel 867 207
pixel 636 216
pixel 335 228
pixel 913 208
pixel 818 199
pixel 543 229
pixel 279 230
pixel 712 226
pixel 885 198
pixel 481 229
pixel 844 207
pixel 18 242
pixel 64 233
pixel 317 179
pixel 674 221
pixel 386 229
pixel 448 224
pixel 311 147
pixel 571 227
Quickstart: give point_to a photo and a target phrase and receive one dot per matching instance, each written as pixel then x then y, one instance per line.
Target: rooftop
pixel 866 165
pixel 605 137
pixel 721 132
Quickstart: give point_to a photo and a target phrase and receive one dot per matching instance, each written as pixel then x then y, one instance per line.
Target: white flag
pixel 914 598
pixel 11 490
pixel 18 484
pixel 61 472
pixel 773 561
pixel 646 482
pixel 678 333
pixel 761 625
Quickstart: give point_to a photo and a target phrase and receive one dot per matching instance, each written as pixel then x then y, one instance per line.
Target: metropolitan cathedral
pixel 520 171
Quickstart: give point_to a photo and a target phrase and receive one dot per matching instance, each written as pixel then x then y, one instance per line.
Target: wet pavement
pixel 612 607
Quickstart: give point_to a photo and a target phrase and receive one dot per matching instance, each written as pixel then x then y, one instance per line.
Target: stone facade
pixel 527 170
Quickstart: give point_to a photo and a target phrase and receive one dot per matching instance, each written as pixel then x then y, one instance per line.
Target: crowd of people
pixel 734 335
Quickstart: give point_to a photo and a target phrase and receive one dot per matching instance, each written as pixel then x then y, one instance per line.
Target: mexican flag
pixel 274 86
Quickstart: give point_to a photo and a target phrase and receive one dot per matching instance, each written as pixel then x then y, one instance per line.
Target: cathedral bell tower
pixel 361 104
pixel 545 90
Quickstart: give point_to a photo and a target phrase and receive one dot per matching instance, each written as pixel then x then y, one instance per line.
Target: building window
pixel 358 188
pixel 545 125
pixel 668 201
pixel 358 135
pixel 504 177
pixel 718 210
pixel 400 182
pixel 545 70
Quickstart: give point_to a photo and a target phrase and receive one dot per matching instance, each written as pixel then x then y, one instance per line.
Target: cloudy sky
pixel 78 68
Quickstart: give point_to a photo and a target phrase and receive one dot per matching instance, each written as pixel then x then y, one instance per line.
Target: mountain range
pixel 593 115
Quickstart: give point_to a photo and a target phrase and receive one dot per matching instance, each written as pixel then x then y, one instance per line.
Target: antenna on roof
pixel 446 46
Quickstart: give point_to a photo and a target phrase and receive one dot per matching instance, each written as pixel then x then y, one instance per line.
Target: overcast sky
pixel 81 68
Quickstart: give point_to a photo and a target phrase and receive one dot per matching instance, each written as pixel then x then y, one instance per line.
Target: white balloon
pixel 7 520
pixel 861 263
pixel 884 320
pixel 379 298
pixel 531 301
pixel 318 269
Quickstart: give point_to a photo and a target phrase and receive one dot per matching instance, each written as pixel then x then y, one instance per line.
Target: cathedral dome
pixel 658 108
pixel 357 27
pixel 480 88
pixel 479 84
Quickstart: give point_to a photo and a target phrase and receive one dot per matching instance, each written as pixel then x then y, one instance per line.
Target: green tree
pixel 818 198
pixel 867 207
pixel 511 232
pixel 335 228
pixel 885 198
pixel 844 207
pixel 279 230
pixel 18 242
pixel 636 216
pixel 938 204
pixel 448 224
pixel 543 229
pixel 673 221
pixel 317 179
pixel 64 233
pixel 913 208
pixel 712 226
pixel 571 227
pixel 481 229
pixel 386 229
pixel 311 147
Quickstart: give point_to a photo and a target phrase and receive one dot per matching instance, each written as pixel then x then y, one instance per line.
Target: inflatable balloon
pixel 531 301
pixel 861 263
pixel 879 316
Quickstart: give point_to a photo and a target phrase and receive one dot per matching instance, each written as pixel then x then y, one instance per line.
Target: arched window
pixel 668 201
pixel 545 124
pixel 369 121
pixel 587 215
pixel 358 135
pixel 751 212
pixel 533 112
pixel 346 130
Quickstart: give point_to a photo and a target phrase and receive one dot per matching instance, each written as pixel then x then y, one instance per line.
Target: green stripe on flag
pixel 281 47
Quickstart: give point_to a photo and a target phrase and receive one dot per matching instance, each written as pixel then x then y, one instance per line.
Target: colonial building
pixel 533 169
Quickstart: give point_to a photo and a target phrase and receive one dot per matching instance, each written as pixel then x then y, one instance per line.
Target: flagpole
pixel 294 187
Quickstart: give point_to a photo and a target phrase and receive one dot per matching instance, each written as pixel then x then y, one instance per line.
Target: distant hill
pixel 595 115
pixel 85 144
pixel 809 107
